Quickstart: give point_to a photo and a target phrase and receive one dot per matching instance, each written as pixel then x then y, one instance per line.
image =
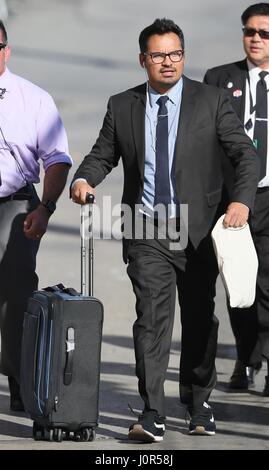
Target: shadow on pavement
pixel 224 351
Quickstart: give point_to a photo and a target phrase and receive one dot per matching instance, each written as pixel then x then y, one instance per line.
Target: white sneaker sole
pixel 139 434
pixel 200 431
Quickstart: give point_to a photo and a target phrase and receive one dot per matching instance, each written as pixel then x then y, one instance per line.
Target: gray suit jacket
pixel 207 123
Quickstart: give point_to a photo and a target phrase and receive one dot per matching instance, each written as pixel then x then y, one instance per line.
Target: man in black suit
pixel 169 133
pixel 247 83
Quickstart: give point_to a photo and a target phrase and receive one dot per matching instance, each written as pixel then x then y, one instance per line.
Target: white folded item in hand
pixel 237 261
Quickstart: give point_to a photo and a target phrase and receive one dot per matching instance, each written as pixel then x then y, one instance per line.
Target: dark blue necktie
pixel 260 128
pixel 162 180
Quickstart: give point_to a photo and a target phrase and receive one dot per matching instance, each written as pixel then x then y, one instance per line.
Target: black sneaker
pixel 243 377
pixel 202 421
pixel 149 428
pixel 239 380
pixel 265 392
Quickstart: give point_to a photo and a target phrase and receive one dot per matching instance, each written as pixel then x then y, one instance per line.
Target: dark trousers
pixel 17 279
pixel 156 272
pixel 251 326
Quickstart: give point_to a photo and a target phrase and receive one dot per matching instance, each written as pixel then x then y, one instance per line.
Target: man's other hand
pixel 236 215
pixel 35 224
pixel 79 191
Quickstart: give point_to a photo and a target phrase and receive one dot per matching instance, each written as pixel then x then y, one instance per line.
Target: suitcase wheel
pixel 38 432
pixel 48 435
pixel 85 435
pixel 41 433
pixel 57 434
pixel 92 434
pixel 66 434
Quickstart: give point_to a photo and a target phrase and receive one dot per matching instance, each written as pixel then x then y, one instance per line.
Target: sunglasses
pixel 2 45
pixel 250 32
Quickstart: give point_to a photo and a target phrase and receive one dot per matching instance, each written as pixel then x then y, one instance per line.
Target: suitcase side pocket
pixel 36 357
pixel 29 360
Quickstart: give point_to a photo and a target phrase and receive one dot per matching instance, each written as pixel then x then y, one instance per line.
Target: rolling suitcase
pixel 61 349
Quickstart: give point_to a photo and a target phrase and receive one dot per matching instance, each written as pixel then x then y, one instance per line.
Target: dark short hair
pixel 160 26
pixel 258 9
pixel 3 29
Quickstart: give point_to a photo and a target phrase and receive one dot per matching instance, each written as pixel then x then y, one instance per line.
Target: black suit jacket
pixel 207 122
pixel 234 74
pixel 232 77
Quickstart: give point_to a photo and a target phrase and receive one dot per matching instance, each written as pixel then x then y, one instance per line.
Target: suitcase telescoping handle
pixel 86 215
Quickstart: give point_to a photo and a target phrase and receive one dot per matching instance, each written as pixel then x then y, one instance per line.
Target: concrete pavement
pixel 82 52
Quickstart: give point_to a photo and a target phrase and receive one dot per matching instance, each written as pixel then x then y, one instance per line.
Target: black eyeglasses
pixel 2 45
pixel 159 57
pixel 250 32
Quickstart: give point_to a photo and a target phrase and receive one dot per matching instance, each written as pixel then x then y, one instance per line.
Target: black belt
pixel 159 222
pixel 22 194
pixel 173 221
pixel 262 190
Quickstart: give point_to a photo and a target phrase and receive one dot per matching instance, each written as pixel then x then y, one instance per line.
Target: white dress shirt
pixel 251 92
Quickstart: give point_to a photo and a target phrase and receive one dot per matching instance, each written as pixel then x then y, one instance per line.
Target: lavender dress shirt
pixel 31 129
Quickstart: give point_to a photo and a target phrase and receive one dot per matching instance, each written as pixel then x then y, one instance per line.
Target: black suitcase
pixel 61 349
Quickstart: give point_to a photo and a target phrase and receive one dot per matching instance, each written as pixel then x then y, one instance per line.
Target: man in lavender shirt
pixel 30 130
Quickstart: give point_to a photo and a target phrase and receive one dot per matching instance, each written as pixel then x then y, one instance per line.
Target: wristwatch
pixel 50 206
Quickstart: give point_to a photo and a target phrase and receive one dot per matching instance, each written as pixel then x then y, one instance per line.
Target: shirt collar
pixel 174 94
pixel 254 70
pixel 5 79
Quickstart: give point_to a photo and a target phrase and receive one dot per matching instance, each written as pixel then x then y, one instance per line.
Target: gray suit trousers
pixel 17 279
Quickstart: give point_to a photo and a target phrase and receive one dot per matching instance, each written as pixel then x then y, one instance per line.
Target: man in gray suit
pixel 169 133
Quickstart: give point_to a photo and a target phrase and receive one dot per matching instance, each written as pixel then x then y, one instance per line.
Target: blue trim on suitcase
pixel 41 397
pixel 48 362
pixel 40 362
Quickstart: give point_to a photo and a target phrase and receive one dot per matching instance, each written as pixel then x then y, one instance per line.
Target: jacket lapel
pixel 187 113
pixel 235 84
pixel 138 109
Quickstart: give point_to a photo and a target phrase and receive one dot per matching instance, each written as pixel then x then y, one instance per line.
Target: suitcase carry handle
pixel 61 288
pixel 70 348
pixel 86 215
